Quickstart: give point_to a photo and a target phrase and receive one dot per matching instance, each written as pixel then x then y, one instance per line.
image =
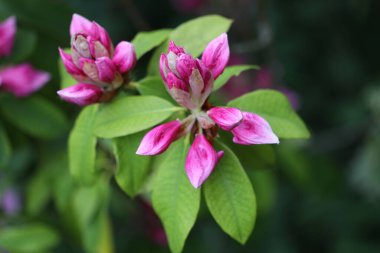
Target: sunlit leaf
pixel 230 72
pixel 146 41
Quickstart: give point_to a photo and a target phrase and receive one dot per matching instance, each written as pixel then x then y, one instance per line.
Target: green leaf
pixel 35 116
pixel 38 192
pixel 28 238
pixel 82 146
pixel 230 198
pixel 132 169
pixel 131 114
pixel 154 86
pixel 230 72
pixel 276 109
pixel 174 199
pixel 5 147
pixel 25 43
pixel 145 41
pixel 66 79
pixel 193 36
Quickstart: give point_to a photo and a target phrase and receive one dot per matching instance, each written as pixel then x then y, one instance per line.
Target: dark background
pixel 321 195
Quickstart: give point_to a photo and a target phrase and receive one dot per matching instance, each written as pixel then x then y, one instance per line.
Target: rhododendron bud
pixel 216 55
pixel 7 36
pixel 254 130
pixel 201 160
pixel 22 80
pixel 159 138
pixel 81 94
pixel 187 79
pixel 124 57
pixel 226 118
pixel 92 59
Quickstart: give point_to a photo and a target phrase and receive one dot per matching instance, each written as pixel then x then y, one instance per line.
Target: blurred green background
pixel 319 195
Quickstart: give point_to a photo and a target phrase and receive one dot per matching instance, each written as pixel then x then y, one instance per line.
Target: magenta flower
pixel 190 81
pixel 22 80
pixel 10 202
pixel 93 60
pixel 7 36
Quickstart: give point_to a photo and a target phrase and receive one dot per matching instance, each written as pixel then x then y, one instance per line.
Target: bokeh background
pixel 319 195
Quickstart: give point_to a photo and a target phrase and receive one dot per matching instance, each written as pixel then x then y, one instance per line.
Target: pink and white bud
pixel 216 55
pixel 22 80
pixel 204 120
pixel 201 160
pixel 7 36
pixel 254 130
pixel 185 64
pixel 93 59
pixel 81 94
pixel 164 68
pixel 124 57
pixel 159 138
pixel 226 118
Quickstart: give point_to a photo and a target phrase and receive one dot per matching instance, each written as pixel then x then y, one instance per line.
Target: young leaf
pixel 28 238
pixel 230 198
pixel 230 72
pixel 145 41
pixel 82 146
pixel 66 79
pixel 192 36
pixel 132 114
pixel 276 109
pixel 174 199
pixel 35 116
pixel 5 147
pixel 132 169
pixel 154 86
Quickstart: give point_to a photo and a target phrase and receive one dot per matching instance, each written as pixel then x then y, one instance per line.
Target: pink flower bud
pixel 226 118
pixel 81 94
pixel 22 80
pixel 89 68
pixel 216 55
pixel 164 68
pixel 254 130
pixel 124 57
pixel 106 69
pixel 200 160
pixel 7 35
pixel 185 66
pixel 159 138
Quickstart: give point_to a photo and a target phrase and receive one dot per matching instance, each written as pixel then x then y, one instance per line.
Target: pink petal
pixel 80 24
pixel 216 55
pixel 200 160
pixel 226 118
pixel 174 82
pixel 101 34
pixel 69 64
pixel 81 94
pixel 185 65
pixel 124 57
pixel 22 80
pixel 106 69
pixel 159 138
pixel 254 130
pixel 164 69
pixel 7 36
pixel 175 49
